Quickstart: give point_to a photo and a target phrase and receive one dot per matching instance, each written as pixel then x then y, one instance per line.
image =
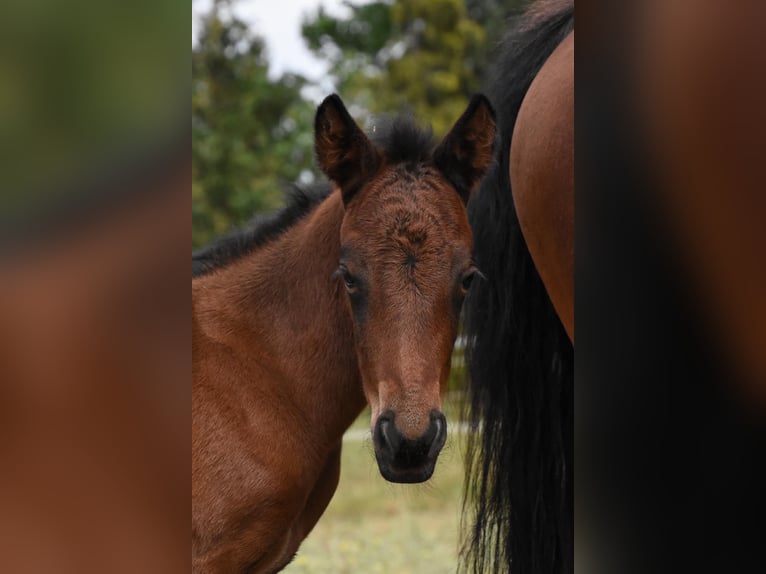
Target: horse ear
pixel 467 151
pixel 345 154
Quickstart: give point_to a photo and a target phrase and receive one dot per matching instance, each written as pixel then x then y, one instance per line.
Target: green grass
pixel 374 526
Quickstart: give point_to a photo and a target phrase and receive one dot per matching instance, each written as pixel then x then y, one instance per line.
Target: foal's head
pixel 406 266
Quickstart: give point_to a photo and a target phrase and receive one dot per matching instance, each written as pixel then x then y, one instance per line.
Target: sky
pixel 278 22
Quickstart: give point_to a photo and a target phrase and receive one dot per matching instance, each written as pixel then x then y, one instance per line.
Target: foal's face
pixel 406 266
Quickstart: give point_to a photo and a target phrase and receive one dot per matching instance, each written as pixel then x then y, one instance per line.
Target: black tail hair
pixel 519 483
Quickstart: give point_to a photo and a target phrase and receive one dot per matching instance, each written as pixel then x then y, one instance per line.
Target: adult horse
pixel 351 295
pixel 520 322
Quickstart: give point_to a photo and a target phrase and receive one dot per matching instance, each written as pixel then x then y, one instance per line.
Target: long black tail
pixel 519 483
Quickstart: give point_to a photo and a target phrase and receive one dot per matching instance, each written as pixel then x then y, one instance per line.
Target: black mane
pixel 259 230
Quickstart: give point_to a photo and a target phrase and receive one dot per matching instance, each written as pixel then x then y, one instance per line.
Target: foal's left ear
pixel 466 152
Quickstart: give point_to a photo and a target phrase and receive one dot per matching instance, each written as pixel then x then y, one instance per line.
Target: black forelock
pixel 403 140
pixel 259 230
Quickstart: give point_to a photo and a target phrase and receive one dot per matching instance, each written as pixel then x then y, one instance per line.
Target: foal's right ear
pixel 344 153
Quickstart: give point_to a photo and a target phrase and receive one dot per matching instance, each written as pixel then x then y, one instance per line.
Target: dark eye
pixel 467 280
pixel 348 279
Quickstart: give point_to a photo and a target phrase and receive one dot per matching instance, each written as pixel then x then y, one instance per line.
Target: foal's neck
pixel 282 306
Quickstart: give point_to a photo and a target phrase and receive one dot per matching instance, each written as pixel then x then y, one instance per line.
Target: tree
pixel 492 16
pixel 427 56
pixel 250 134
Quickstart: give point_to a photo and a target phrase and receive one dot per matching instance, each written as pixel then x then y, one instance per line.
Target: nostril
pixel 439 425
pixel 386 436
pixel 384 442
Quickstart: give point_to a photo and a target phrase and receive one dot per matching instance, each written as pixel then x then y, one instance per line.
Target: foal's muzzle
pixel 403 460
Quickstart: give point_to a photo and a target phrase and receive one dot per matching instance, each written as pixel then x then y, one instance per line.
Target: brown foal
pixel 351 298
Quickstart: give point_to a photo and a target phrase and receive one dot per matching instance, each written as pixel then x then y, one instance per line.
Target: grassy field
pixel 374 526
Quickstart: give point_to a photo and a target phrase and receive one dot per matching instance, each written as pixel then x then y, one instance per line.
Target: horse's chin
pixel 410 475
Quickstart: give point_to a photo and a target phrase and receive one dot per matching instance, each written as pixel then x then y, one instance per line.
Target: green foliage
pixel 436 73
pixel 424 56
pixel 250 134
pixel 366 32
pixel 354 47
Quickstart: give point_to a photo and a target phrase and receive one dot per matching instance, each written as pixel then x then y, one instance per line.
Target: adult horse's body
pixel 351 295
pixel 520 322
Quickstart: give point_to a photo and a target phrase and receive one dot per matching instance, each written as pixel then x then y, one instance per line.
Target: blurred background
pixel 95 344
pixel 259 69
